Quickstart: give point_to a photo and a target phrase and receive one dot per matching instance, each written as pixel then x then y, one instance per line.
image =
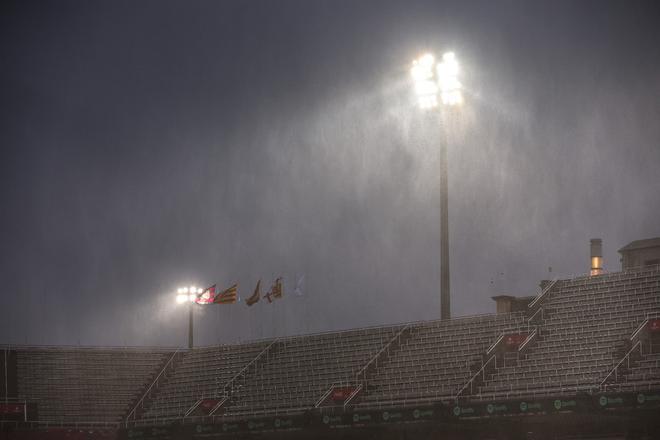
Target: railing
pixel 639 329
pixel 360 375
pixel 482 371
pixel 529 339
pixel 325 396
pixel 355 392
pixel 531 318
pixel 192 408
pixel 230 383
pixel 494 344
pixel 625 358
pixel 154 383
pixel 218 405
pixel 542 294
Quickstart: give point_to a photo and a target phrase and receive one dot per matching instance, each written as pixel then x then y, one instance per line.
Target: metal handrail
pixel 481 370
pixel 623 359
pixel 639 329
pixel 218 405
pixel 352 395
pixel 248 365
pixel 527 340
pixel 531 318
pixel 375 357
pixel 325 395
pixel 148 390
pixel 495 344
pixel 192 408
pixel 543 293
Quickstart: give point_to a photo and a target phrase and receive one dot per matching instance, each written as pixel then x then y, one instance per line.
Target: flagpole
pixel 190 325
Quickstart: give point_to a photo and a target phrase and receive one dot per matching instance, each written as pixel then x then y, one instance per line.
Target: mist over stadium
pixel 374 219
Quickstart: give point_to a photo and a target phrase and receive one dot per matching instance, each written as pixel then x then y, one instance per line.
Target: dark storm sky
pixel 150 144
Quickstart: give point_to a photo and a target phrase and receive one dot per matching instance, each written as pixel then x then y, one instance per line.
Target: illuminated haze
pixel 151 144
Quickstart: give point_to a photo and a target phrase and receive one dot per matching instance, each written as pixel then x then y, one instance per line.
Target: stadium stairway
pixel 579 337
pixel 435 360
pixel 144 399
pixel 639 366
pixel 203 373
pixel 304 368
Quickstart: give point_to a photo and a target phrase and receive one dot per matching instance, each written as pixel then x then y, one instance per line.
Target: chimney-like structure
pixel 596 256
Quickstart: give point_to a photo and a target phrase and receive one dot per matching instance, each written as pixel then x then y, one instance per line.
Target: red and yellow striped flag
pixel 228 296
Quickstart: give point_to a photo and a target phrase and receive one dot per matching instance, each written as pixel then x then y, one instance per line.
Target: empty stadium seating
pixel 584 329
pixel 71 385
pixel 202 372
pixel 585 322
pixel 436 360
pixel 304 368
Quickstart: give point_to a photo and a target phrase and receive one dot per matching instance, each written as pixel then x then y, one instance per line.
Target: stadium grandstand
pixel 581 359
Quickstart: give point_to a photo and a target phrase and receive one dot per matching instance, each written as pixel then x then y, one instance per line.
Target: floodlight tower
pixel 189 295
pixel 435 83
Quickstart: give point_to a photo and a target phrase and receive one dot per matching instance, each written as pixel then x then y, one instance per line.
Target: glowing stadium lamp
pixel 189 295
pixel 450 87
pixel 433 79
pixel 437 82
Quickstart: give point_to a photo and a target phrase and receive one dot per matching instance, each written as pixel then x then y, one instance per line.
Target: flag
pixel 300 283
pixel 275 290
pixel 207 296
pixel 228 296
pixel 255 296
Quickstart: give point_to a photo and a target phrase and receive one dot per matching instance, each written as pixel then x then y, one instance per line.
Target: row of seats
pixel 75 385
pixel 585 322
pixel 436 359
pixel 201 373
pixel 301 372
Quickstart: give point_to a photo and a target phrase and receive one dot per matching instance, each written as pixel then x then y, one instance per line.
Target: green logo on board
pixel 641 398
pixel 523 406
pixel 603 401
pixel 457 410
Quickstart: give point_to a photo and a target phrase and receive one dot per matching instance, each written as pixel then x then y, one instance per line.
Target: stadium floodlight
pixel 435 83
pixel 189 295
pixel 450 86
pixel 433 79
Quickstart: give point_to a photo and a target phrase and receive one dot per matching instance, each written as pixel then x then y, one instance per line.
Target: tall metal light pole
pixel 434 80
pixel 190 325
pixel 189 295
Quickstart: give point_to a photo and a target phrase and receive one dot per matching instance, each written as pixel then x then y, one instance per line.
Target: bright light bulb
pixel 193 289
pixel 433 79
pixel 180 299
pixel 192 297
pixel 184 290
pixel 423 88
pixel 200 290
pixel 426 60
